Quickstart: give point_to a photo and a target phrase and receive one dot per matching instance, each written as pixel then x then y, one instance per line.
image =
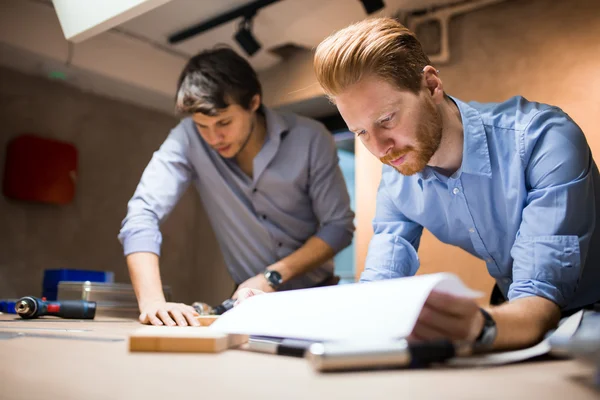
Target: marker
pixel 349 355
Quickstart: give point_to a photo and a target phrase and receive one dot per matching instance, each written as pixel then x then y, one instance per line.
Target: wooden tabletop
pixel 33 367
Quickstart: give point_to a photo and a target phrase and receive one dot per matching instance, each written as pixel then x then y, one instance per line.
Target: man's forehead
pixel 221 113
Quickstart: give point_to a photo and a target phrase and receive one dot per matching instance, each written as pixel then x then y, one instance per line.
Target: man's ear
pixel 255 102
pixel 433 84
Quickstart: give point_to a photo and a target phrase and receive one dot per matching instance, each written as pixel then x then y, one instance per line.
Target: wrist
pixel 282 269
pixel 273 278
pixel 487 333
pixel 146 301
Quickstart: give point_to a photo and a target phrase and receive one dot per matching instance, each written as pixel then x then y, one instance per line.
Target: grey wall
pixel 115 142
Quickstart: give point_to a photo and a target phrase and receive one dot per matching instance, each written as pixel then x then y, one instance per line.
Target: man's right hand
pixel 169 314
pixel 246 293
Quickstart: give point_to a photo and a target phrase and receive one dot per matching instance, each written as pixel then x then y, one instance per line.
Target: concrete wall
pixel 545 50
pixel 115 142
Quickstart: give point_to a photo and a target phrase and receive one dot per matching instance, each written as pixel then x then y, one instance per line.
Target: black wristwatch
pixel 273 278
pixel 488 334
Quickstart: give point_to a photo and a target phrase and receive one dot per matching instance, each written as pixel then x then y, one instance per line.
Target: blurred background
pixel 108 91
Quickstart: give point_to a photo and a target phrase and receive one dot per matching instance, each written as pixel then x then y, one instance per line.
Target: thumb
pixel 246 293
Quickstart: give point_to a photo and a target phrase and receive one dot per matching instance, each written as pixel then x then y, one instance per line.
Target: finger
pixel 449 304
pixel 245 293
pixel 151 319
pixel 154 320
pixel 166 318
pixel 413 339
pixel 424 332
pixel 448 324
pixel 178 317
pixel 191 318
pixel 190 310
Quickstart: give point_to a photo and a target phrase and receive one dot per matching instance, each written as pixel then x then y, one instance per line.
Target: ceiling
pixel 301 22
pixel 134 61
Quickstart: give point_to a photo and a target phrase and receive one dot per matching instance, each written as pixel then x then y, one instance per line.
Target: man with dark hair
pixel 270 184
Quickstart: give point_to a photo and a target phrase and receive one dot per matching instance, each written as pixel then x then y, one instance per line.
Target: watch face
pixel 273 277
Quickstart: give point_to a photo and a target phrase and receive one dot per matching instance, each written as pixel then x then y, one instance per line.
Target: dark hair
pixel 213 80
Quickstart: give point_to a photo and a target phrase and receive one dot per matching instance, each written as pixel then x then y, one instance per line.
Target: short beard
pixel 429 137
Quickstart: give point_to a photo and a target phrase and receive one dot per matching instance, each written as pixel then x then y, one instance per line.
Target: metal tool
pixel 31 307
pixel 205 309
pixel 5 335
pixel 339 356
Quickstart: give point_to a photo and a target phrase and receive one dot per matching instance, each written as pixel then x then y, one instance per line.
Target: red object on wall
pixel 40 170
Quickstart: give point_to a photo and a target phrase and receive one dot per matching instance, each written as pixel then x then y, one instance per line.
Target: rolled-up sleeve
pixel 558 220
pixel 393 248
pixel 329 194
pixel 163 182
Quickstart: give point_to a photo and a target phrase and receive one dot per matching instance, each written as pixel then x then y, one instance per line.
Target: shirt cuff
pixel 546 266
pixel 338 237
pixel 146 242
pixel 390 256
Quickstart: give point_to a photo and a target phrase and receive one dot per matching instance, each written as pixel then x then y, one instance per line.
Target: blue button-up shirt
pixel 525 200
pixel 297 191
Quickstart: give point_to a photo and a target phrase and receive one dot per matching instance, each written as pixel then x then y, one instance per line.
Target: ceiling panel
pixel 302 22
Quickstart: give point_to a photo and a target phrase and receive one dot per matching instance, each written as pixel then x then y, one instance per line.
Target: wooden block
pixel 206 320
pixel 182 339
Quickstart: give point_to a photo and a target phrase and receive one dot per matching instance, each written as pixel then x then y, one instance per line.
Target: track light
pixel 245 38
pixel 372 5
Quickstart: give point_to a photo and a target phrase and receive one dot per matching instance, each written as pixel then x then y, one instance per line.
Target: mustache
pixel 395 154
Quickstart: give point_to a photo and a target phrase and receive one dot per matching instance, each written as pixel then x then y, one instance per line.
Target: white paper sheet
pixel 374 310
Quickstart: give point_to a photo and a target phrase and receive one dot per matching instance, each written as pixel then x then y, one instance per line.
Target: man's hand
pixel 246 293
pixel 448 317
pixel 170 314
pixel 258 282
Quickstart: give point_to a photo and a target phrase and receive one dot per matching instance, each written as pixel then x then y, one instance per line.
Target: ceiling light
pixel 372 5
pixel 245 38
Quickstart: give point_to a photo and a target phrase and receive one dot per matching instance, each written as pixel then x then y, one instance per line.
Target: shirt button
pixel 279 244
pixel 456 190
pixel 254 190
pixel 488 260
pixel 264 216
pixel 471 230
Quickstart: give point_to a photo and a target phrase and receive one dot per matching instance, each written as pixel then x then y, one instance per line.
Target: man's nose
pixel 383 144
pixel 214 137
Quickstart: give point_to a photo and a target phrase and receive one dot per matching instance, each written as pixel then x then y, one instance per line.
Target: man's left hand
pixel 448 317
pixel 256 282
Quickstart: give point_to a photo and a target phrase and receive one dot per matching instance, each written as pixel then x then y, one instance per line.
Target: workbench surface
pixel 49 368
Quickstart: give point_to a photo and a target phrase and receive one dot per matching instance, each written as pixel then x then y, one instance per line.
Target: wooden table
pixel 48 368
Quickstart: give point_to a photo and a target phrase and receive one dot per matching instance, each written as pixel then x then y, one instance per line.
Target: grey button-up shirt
pixel 297 191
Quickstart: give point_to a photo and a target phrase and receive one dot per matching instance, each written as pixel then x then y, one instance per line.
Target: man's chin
pixel 409 170
pixel 227 152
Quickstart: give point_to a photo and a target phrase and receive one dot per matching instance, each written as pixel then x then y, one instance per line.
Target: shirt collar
pixel 276 124
pixel 476 155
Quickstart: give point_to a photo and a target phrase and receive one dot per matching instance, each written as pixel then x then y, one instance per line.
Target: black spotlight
pixel 245 38
pixel 372 5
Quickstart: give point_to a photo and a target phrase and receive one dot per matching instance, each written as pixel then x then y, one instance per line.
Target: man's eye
pixel 361 132
pixel 387 119
pixel 224 123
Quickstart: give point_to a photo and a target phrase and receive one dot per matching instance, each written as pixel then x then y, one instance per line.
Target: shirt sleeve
pixel 164 180
pixel 329 194
pixel 393 248
pixel 558 218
